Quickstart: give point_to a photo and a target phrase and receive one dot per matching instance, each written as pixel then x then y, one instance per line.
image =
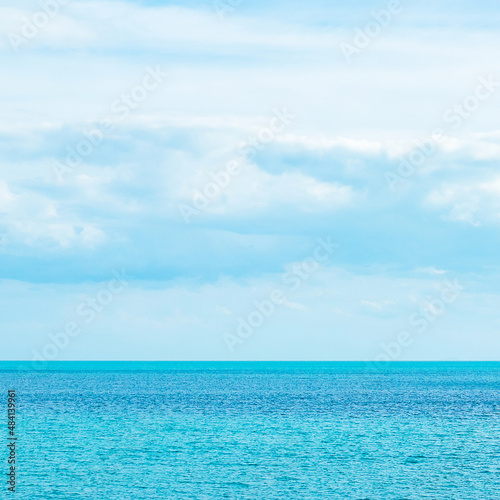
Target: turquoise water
pixel 257 431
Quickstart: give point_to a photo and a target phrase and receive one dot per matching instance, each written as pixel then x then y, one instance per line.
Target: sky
pixel 234 180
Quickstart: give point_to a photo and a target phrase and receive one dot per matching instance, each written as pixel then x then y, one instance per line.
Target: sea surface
pixel 255 431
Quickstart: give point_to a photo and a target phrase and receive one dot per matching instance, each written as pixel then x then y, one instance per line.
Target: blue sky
pixel 325 174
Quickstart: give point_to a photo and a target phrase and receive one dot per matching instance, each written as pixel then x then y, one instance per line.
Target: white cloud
pixel 7 199
pixel 474 203
pixel 295 305
pixel 255 191
pixel 119 24
pixel 33 220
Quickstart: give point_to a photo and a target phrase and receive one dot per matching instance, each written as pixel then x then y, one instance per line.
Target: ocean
pixel 194 430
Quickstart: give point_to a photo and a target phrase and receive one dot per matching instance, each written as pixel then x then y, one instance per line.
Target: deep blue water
pixel 256 431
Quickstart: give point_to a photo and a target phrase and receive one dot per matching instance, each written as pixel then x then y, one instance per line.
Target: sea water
pixel 255 431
